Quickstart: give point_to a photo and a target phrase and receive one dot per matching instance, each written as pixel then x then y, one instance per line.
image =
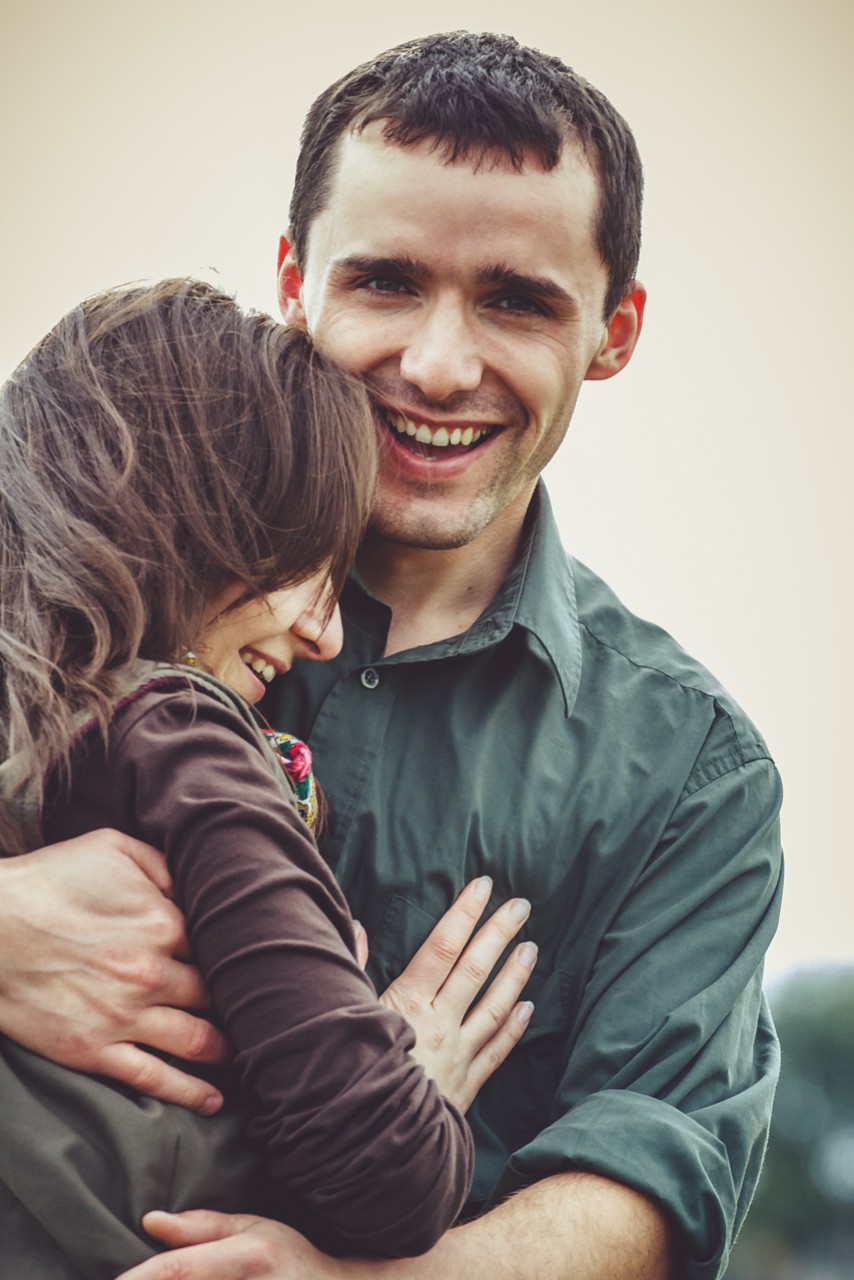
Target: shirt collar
pixel 546 603
pixel 538 595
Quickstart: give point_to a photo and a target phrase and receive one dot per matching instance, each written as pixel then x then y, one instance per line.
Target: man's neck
pixel 434 595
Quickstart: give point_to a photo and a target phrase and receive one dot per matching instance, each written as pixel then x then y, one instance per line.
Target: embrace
pixel 488 724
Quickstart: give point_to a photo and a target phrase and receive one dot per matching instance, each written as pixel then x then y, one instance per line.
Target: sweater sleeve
pixel 352 1125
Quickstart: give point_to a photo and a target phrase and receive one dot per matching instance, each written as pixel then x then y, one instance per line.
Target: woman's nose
pixel 319 638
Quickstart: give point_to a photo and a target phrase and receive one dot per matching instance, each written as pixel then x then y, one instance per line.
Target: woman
pixel 182 488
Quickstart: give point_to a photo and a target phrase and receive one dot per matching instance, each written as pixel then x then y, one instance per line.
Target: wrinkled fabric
pixel 581 758
pixel 83 1158
pixel 336 1127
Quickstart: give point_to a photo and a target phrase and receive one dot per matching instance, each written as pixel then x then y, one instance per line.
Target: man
pixel 464 235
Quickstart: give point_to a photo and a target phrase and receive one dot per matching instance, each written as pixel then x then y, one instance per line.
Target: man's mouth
pixel 456 438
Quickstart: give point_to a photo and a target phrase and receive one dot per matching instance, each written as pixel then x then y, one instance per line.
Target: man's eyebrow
pixel 358 264
pixel 532 286
pixel 497 274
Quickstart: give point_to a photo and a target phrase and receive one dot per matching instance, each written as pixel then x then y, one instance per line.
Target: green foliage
pixel 804 1207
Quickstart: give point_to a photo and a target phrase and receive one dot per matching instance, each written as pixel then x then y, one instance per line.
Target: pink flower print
pixel 299 761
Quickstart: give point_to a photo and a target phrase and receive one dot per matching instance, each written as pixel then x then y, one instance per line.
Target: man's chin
pixel 420 536
pixel 429 529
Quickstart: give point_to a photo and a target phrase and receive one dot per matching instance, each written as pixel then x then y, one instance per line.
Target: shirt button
pixel 370 678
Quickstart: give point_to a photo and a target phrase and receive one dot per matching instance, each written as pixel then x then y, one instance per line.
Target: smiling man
pixel 472 301
pixel 464 235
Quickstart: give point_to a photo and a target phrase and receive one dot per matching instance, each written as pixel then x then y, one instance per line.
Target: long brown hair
pixel 158 444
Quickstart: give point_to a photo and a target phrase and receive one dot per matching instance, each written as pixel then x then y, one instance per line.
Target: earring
pixel 190 659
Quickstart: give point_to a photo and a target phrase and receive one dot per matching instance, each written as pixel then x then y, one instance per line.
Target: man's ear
pixel 621 335
pixel 290 286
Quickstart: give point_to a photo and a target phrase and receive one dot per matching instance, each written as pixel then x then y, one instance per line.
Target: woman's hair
pixel 158 444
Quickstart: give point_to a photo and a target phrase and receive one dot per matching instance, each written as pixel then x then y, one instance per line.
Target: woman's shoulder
pixel 165 702
pixel 182 712
pixel 180 694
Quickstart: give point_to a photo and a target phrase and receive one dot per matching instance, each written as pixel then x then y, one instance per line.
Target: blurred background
pixel 709 484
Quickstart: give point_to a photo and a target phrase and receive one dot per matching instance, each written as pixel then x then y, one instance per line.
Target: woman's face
pixel 247 645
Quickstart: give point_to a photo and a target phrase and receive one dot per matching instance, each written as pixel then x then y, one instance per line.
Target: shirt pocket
pixel 518 1101
pixel 401 931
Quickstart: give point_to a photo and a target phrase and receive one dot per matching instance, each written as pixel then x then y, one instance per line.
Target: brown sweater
pixel 353 1128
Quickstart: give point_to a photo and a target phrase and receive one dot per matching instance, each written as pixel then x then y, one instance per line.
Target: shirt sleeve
pixel 352 1125
pixel 672 1060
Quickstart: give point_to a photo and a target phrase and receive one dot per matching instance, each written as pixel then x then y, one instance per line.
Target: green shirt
pixel 577 755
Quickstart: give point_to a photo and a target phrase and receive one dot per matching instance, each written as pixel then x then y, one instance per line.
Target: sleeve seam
pixel 750 749
pixel 705 781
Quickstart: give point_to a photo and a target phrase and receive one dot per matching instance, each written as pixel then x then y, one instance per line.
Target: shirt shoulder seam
pixel 749 749
pixel 717 768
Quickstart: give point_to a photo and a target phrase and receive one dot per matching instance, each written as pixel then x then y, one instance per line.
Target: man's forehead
pixel 374 175
pixel 387 199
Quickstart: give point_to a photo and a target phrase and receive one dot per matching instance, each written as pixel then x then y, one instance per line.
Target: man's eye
pixel 520 306
pixel 383 284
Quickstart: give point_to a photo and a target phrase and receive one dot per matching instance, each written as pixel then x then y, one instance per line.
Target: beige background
pixel 710 482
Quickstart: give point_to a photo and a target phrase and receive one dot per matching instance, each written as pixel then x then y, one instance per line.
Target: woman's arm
pixel 352 1125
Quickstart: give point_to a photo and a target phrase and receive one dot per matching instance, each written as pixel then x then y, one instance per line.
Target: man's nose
pixel 319 637
pixel 441 354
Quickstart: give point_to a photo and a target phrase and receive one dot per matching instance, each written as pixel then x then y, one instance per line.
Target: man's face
pixel 471 302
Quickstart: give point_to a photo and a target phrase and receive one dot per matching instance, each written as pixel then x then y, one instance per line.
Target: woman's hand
pixel 459 1046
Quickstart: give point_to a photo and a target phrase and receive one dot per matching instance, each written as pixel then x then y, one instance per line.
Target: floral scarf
pixel 295 758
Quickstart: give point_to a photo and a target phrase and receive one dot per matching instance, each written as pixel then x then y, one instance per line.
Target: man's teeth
pixel 438 437
pixel 265 670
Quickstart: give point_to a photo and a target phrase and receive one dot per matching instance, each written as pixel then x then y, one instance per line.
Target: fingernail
pixel 483 888
pixel 528 954
pixel 357 927
pixel 520 910
pixel 211 1105
pixel 524 1011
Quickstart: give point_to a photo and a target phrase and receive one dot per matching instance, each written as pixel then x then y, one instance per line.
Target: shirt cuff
pixel 656 1149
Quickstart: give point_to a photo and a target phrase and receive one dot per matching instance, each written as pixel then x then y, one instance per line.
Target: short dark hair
pixel 476 95
pixel 159 444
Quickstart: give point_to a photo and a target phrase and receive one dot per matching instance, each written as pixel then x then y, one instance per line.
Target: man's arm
pixel 572 1226
pixel 92 965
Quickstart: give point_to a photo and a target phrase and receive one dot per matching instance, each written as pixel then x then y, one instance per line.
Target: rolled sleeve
pixel 671 1072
